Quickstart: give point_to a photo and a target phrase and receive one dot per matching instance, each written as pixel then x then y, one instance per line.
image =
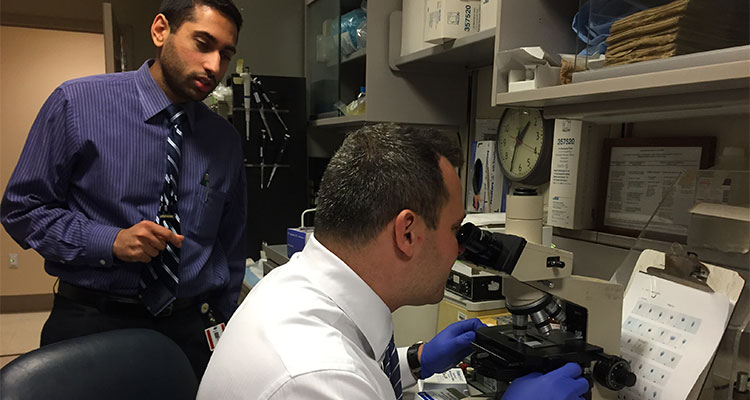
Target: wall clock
pixel 524 145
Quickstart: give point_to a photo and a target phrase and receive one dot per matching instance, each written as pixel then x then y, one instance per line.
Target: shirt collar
pixel 152 97
pixel 355 298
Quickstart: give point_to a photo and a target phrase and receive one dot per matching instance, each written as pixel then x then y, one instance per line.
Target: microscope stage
pixel 498 350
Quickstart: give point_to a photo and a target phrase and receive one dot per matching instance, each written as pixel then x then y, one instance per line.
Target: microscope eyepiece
pixel 493 250
pixel 465 232
pixel 476 240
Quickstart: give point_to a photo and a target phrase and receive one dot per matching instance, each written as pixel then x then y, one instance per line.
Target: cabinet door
pixel 323 56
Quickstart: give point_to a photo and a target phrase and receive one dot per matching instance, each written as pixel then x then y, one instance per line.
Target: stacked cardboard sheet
pixel 679 27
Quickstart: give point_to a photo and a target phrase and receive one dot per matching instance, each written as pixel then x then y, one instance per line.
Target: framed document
pixel 641 175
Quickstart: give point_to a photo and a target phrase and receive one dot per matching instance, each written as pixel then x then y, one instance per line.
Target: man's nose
pixel 212 63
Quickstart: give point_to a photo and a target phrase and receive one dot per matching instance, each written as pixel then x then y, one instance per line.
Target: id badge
pixel 213 334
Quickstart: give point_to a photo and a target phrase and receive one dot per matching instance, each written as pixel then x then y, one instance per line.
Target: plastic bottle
pixel 361 107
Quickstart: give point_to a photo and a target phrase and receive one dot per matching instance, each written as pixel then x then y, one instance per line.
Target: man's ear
pixel 407 232
pixel 160 30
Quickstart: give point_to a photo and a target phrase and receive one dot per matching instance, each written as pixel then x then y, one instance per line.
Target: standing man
pixel 134 192
pixel 320 327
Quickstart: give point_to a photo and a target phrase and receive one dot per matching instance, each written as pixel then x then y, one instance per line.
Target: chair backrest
pixel 113 365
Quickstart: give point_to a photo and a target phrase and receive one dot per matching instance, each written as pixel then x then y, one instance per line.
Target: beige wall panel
pixel 32 63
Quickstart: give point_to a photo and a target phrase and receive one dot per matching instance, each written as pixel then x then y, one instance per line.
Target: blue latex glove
pixel 448 347
pixel 564 383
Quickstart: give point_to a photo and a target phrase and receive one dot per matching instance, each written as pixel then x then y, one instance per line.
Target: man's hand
pixel 564 383
pixel 448 347
pixel 143 241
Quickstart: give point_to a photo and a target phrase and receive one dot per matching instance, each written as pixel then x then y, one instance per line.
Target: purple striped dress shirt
pixel 94 163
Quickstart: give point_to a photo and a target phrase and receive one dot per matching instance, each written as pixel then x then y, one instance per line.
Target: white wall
pixel 32 63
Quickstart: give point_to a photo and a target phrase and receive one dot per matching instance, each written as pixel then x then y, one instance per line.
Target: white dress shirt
pixel 311 329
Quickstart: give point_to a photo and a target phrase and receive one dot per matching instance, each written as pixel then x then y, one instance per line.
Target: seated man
pixel 320 327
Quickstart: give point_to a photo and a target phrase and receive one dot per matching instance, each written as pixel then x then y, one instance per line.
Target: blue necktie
pixel 390 366
pixel 159 281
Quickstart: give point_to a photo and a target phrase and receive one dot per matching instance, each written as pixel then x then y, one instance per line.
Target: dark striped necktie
pixel 159 279
pixel 392 370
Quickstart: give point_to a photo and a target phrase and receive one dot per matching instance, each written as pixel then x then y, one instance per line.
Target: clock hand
pixel 513 157
pixel 519 140
pixel 527 146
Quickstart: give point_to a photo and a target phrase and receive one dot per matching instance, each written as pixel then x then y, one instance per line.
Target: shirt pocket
pixel 209 211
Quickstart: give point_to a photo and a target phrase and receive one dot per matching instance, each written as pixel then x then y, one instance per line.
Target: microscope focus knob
pixel 614 373
pixel 555 262
pixel 626 377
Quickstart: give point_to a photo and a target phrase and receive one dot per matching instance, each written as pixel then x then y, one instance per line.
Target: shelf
pixel 340 121
pixel 358 55
pixel 734 261
pixel 705 88
pixel 468 52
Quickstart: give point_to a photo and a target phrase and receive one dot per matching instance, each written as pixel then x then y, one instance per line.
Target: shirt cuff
pixel 99 248
pixel 407 379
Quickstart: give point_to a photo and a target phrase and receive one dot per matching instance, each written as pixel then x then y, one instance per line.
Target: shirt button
pixel 102 262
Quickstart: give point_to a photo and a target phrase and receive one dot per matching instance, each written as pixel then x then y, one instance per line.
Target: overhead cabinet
pixel 335 73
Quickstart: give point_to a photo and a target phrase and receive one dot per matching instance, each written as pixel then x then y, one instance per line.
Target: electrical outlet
pixel 13 260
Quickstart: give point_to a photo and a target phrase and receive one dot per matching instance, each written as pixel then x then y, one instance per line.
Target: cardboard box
pixel 723 187
pixel 296 238
pixel 455 308
pixel 576 161
pixel 488 13
pixel 533 77
pixel 412 27
pixel 438 385
pixel 450 19
pixel 721 227
pixel 526 68
pixel 487 188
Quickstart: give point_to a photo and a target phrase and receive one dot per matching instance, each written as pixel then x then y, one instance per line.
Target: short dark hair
pixel 377 172
pixel 179 11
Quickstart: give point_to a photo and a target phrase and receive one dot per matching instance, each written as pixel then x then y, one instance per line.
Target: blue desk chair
pixel 120 364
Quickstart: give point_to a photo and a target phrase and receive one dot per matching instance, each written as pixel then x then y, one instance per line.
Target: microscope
pixel 573 318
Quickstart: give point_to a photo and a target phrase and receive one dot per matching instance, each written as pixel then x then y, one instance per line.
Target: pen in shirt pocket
pixel 204 183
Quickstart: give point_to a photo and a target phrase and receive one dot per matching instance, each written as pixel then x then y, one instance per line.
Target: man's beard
pixel 173 68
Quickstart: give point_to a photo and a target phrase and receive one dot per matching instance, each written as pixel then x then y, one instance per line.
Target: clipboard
pixel 671 276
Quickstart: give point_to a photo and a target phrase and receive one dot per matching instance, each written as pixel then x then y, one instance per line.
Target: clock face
pixel 523 145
